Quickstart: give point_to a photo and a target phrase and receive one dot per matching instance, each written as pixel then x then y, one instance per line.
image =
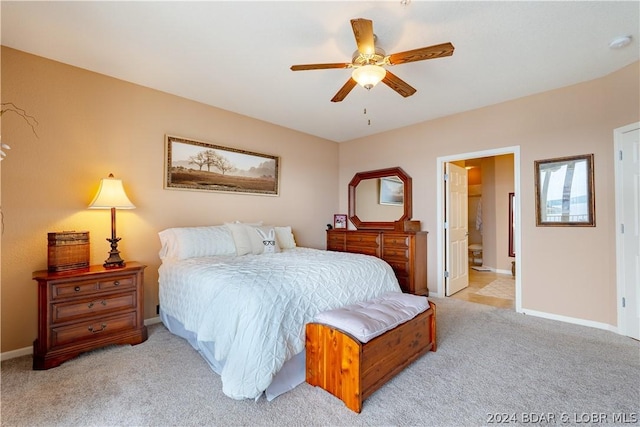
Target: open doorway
pixel 491 222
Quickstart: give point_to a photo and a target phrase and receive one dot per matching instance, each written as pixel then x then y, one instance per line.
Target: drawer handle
pixel 103 326
pixel 91 304
pixel 116 283
pixel 77 289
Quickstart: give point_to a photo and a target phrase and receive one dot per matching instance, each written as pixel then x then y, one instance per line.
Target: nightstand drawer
pixel 79 288
pixel 91 329
pixel 65 311
pixel 116 283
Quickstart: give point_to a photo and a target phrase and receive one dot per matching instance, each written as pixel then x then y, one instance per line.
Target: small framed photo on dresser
pixel 340 221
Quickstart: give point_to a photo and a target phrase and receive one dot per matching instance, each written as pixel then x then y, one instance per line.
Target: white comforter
pixel 254 307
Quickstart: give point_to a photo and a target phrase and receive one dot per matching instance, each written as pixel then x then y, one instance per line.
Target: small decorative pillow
pixel 269 244
pixel 249 241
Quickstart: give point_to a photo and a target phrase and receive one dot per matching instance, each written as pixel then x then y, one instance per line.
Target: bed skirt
pixel 291 375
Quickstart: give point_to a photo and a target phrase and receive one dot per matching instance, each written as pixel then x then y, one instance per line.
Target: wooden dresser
pixel 406 252
pixel 86 309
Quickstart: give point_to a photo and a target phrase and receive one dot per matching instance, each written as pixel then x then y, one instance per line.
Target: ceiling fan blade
pixel 344 90
pixel 363 31
pixel 397 84
pixel 319 66
pixel 430 52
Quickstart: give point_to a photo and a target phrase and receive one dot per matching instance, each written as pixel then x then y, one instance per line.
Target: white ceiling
pixel 236 55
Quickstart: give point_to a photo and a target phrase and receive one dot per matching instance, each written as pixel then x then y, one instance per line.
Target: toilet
pixel 475 254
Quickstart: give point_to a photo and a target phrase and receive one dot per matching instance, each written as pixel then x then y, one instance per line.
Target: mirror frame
pixel 380 173
pixel 512 224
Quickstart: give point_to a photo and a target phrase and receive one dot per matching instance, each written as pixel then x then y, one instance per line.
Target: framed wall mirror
pixel 512 224
pixel 564 191
pixel 379 198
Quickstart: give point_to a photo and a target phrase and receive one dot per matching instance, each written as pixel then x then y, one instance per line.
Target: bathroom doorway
pixel 493 226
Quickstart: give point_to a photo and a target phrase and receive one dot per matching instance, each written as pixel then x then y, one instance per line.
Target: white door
pixel 456 229
pixel 628 233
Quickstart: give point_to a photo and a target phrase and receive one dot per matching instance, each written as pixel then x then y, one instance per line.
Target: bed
pixel 241 294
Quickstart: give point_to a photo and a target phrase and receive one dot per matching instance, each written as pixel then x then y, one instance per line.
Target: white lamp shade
pixel 368 76
pixel 111 195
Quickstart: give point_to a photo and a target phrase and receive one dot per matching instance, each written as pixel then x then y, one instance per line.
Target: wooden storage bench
pixel 338 360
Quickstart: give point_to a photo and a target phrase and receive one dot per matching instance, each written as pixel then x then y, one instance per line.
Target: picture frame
pixel 564 190
pixel 391 191
pixel 202 166
pixel 340 221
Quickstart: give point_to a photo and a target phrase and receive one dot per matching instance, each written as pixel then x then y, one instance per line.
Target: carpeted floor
pixel 502 287
pixel 489 361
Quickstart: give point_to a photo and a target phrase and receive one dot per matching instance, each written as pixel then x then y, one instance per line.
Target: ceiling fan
pixel 368 62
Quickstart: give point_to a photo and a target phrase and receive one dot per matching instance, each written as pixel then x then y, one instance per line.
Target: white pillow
pixel 191 242
pixel 240 238
pixel 285 237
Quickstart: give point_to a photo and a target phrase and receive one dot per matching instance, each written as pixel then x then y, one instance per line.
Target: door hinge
pixel 622 228
pixel 620 154
pixel 446 177
pixel 446 225
pixel 624 302
pixel 446 274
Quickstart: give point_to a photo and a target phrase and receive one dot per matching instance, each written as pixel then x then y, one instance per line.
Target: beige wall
pixel 566 271
pixel 92 125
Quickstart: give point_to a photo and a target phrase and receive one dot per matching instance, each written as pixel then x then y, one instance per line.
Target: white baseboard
pixel 152 321
pixel 26 351
pixel 574 320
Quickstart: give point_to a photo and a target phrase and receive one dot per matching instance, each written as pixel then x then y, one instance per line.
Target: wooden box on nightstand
pixel 86 309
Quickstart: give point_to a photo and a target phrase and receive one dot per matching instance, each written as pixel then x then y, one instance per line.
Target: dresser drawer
pixel 363 239
pixel 399 267
pixel 404 282
pixel 84 287
pixel 336 237
pixel 395 254
pixel 335 247
pixel 335 241
pixel 366 250
pixel 65 311
pixel 91 329
pixel 396 240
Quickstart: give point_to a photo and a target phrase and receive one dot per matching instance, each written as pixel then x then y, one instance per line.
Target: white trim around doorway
pixel 618 134
pixel 440 161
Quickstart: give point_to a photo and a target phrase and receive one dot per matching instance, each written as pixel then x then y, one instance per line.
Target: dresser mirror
pixel 379 198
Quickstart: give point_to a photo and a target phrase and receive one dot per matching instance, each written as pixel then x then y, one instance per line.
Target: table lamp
pixel 111 195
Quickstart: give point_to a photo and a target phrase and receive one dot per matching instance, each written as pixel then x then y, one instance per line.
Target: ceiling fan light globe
pixel 368 76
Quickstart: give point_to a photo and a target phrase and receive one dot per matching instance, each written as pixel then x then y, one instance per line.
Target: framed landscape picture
pixel 201 166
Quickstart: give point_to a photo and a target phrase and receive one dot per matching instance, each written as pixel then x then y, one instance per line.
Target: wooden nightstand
pixel 86 309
